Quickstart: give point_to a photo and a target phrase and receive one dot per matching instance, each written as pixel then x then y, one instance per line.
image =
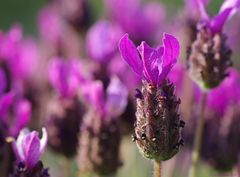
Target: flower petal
pixel 31 145
pixel 148 57
pixel 43 141
pixel 117 95
pixel 219 20
pixel 130 55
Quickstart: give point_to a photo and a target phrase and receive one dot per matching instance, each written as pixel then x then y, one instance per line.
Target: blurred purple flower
pixel 65 76
pixel 216 23
pixel 177 76
pixel 102 40
pixel 50 24
pixel 154 64
pixel 121 69
pixel 125 13
pixel 21 115
pixel 109 104
pixel 28 147
pixel 9 42
pixel 19 53
pixel 227 94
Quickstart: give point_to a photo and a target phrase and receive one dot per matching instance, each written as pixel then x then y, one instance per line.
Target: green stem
pixel 66 167
pixel 198 137
pixel 157 168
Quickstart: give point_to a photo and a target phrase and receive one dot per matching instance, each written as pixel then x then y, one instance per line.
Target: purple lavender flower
pixel 65 76
pixel 103 32
pixel 151 15
pixel 216 23
pixel 16 51
pixel 158 125
pixel 109 105
pixel 21 113
pixel 209 55
pixel 28 147
pixel 155 64
pixel 221 98
pixel 100 132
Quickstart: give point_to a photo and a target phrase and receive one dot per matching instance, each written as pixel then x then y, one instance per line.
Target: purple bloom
pixel 49 16
pixel 18 53
pixel 151 15
pixel 227 94
pixel 28 147
pixel 19 117
pixel 65 76
pixel 102 40
pixel 216 23
pixel 154 64
pixel 109 104
pixel 122 70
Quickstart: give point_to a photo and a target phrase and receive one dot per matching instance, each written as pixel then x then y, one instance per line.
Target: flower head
pixel 110 104
pixel 65 76
pixel 28 147
pixel 155 63
pixel 216 23
pixel 21 115
pixel 103 32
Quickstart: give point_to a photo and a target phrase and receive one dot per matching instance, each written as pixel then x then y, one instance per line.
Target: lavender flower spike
pixel 28 147
pixel 154 64
pixel 158 130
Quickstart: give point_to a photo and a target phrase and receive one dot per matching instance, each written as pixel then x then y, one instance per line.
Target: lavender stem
pixel 157 168
pixel 198 137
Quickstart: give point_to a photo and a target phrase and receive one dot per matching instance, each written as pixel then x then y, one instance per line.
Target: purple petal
pixel 31 145
pixel 103 32
pixel 117 96
pixel 229 4
pixel 219 20
pixel 17 145
pixel 170 55
pixel 130 55
pixel 151 59
pixel 43 141
pixel 94 94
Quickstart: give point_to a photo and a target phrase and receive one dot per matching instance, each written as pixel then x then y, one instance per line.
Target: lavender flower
pixel 99 33
pixel 65 110
pixel 151 15
pixel 65 76
pixel 220 145
pixel 158 126
pixel 209 55
pixel 28 149
pixel 100 133
pixel 21 113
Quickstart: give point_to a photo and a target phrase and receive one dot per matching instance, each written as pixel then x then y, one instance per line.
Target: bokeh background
pixel 25 13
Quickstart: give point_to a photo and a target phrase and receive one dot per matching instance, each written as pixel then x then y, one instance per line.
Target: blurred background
pixel 25 12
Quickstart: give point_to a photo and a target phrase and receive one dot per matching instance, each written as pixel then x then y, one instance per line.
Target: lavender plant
pixel 158 126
